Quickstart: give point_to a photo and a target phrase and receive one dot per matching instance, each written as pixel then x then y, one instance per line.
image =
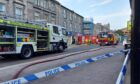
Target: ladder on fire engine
pixel 7 17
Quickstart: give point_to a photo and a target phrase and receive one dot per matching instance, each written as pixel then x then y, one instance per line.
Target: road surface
pixel 9 62
pixel 102 72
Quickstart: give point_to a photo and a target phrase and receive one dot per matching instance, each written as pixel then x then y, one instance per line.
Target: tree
pixel 120 32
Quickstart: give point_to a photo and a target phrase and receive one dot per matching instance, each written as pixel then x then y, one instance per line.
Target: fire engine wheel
pixel 26 52
pixel 61 48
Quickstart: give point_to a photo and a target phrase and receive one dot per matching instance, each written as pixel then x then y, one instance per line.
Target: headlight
pixel 106 42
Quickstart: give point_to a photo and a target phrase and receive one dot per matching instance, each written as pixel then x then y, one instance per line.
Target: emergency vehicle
pixel 107 38
pixel 23 37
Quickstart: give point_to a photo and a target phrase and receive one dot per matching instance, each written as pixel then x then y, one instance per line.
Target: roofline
pixel 70 9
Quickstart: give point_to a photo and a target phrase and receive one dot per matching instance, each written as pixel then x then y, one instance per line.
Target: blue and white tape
pixel 36 76
pixel 122 73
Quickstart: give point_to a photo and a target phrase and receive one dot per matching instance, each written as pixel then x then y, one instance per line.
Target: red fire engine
pixel 107 38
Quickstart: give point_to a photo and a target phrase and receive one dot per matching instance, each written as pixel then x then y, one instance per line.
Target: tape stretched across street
pixel 122 74
pixel 50 72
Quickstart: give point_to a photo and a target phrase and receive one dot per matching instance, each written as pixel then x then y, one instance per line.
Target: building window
pixel 75 17
pixel 45 4
pixel 37 16
pixel 19 12
pixel 2 7
pixel 41 3
pixel 53 18
pixel 46 17
pixel 70 16
pixel 75 27
pixel 53 6
pixel 70 27
pixel 86 26
pixel 35 2
pixel 65 25
pixel 64 13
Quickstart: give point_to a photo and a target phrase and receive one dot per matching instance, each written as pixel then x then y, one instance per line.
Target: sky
pixel 115 12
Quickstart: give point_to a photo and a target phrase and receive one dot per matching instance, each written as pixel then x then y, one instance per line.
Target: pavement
pixel 127 77
pixel 104 68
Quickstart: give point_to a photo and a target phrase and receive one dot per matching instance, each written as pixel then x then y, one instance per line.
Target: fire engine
pixel 23 37
pixel 108 38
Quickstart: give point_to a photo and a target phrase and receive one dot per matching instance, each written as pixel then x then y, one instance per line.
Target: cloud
pixel 116 20
pixel 115 15
pixel 101 3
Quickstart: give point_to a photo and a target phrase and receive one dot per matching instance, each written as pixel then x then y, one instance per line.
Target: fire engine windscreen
pixel 103 35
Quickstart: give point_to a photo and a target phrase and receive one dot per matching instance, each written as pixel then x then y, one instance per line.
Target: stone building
pixel 50 11
pixel 98 27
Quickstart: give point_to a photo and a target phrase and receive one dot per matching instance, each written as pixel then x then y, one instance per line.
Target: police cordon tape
pixel 50 72
pixel 122 73
pixel 56 58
